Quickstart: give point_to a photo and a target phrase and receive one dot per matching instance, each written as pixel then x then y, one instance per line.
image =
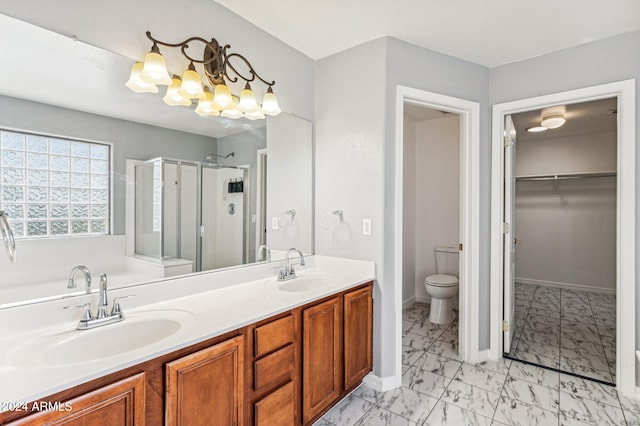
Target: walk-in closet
pixel 565 218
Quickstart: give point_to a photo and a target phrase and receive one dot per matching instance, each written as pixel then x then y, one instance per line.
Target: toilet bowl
pixel 442 288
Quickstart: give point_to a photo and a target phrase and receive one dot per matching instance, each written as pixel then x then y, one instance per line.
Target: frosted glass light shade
pixel 222 97
pixel 552 121
pixel 173 96
pixel 248 100
pixel 231 113
pixel 205 106
pixel 154 70
pixel 255 115
pixel 137 84
pixel 536 129
pixel 270 103
pixel 191 85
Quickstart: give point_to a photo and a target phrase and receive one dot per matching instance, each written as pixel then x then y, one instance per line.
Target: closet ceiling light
pixel 536 129
pixel 218 68
pixel 552 121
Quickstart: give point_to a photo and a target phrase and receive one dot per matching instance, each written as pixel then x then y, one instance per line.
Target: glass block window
pixel 54 187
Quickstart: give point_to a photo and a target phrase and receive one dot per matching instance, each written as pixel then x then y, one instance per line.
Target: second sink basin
pixel 71 346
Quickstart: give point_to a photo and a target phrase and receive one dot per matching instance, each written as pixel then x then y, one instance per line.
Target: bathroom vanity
pixel 262 352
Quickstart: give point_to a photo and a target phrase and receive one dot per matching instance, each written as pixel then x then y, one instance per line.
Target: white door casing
pixel 469 113
pixel 625 92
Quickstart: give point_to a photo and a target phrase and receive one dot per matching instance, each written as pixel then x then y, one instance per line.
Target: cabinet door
pixel 206 387
pixel 321 367
pixel 119 404
pixel 358 329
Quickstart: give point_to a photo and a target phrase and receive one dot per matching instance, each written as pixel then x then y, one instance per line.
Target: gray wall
pixel 130 140
pixel 412 66
pixel 349 155
pixel 600 62
pixel 355 150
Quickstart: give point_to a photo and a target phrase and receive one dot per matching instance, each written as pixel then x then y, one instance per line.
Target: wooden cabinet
pixel 206 388
pixel 321 357
pixel 274 391
pixel 358 335
pixel 284 370
pixel 277 408
pixel 119 404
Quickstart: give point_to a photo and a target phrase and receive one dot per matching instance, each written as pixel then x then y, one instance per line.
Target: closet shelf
pixel 566 176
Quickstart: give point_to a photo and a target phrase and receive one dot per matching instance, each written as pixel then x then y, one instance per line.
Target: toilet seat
pixel 441 280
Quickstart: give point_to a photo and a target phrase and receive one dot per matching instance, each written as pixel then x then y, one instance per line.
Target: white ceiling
pixel 487 32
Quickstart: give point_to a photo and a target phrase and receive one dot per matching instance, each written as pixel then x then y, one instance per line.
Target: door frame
pixel 469 113
pixel 625 217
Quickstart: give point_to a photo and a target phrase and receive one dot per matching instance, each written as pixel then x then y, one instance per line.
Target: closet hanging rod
pixel 566 176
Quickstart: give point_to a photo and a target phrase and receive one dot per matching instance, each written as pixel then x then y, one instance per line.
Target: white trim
pixel 382 384
pixel 259 219
pixel 625 248
pixel 481 356
pixel 567 286
pixel 423 299
pixel 469 113
pixel 409 302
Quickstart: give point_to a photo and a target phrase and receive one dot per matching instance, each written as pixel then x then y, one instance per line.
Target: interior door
pixel 509 232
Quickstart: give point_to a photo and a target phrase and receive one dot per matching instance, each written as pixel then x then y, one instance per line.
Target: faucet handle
pixel 86 315
pixel 115 310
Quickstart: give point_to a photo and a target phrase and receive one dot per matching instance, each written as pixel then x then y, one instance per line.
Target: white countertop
pixel 219 302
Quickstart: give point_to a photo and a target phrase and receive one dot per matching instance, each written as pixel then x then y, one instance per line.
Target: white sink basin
pixel 311 281
pixel 71 346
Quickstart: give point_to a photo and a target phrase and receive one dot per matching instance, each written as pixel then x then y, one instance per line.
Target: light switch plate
pixel 366 226
pixel 274 223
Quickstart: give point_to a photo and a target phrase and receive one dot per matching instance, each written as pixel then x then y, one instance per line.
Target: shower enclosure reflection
pixel 191 213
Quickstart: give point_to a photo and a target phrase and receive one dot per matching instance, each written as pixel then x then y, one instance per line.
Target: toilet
pixel 442 287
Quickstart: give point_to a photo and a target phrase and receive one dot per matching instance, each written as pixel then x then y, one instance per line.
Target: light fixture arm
pixel 216 61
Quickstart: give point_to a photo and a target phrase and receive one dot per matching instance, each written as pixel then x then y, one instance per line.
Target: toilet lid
pixel 442 280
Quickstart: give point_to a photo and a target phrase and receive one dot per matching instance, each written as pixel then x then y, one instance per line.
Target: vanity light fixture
pixel 214 98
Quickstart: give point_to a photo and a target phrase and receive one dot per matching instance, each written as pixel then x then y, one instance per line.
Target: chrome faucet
pixel 103 302
pixel 287 272
pixel 266 256
pixel 87 277
pixel 7 236
pixel 102 317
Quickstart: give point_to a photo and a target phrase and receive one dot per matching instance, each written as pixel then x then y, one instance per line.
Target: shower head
pixel 214 156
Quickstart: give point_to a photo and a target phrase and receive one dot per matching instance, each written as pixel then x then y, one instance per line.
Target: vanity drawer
pixel 278 408
pixel 274 368
pixel 272 336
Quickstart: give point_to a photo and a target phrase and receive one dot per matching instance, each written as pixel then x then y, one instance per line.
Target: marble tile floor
pixel 438 389
pixel 572 331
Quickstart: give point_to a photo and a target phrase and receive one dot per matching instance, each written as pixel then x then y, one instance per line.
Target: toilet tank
pixel 447 260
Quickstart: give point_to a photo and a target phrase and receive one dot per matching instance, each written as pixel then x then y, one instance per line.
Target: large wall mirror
pixel 187 193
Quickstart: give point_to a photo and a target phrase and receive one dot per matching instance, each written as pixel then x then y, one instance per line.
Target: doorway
pixel 503 239
pixel 564 233
pixel 469 130
pixel 431 231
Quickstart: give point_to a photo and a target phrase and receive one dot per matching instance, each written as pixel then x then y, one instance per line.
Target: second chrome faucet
pixel 287 272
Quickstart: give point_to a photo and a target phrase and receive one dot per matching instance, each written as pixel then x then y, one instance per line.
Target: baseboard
pixel 408 303
pixel 566 286
pixel 480 356
pixel 423 299
pixel 382 384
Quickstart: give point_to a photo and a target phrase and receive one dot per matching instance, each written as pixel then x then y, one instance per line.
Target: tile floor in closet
pixel 573 331
pixel 438 389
